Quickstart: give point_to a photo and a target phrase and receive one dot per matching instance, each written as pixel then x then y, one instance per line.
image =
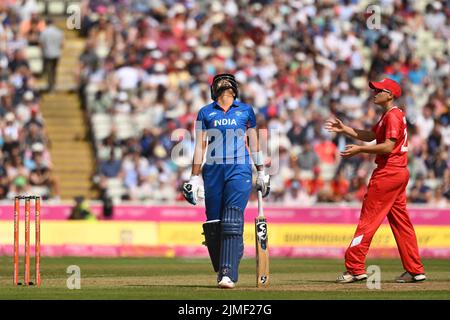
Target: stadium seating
pixel 323 76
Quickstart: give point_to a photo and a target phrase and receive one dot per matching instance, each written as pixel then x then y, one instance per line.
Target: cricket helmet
pixel 222 82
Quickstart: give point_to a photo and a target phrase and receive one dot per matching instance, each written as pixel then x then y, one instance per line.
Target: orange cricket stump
pixel 16 240
pixel 37 245
pixel 27 242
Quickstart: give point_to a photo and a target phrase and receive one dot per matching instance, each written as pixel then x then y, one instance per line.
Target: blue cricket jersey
pixel 226 132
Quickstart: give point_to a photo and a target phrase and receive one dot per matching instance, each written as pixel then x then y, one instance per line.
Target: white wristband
pixel 258 158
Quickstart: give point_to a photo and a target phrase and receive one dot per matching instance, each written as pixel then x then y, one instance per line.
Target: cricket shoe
pixel 347 277
pixel 226 283
pixel 407 277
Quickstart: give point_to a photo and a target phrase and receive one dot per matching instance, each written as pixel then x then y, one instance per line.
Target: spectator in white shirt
pixel 128 77
pixel 10 133
pixel 425 122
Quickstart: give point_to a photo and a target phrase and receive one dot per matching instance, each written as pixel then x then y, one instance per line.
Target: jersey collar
pixel 394 107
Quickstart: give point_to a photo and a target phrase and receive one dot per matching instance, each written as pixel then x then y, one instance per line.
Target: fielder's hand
pixel 193 191
pixel 350 151
pixel 335 125
pixel 263 183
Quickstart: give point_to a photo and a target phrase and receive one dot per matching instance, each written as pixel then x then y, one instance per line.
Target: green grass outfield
pixel 166 278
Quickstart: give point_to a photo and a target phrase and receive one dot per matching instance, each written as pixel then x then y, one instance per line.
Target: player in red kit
pixel 386 192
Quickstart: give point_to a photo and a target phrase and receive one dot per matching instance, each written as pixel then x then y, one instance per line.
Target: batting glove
pixel 193 191
pixel 263 183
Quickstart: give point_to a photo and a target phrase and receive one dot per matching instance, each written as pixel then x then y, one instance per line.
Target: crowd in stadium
pixel 25 163
pixel 298 63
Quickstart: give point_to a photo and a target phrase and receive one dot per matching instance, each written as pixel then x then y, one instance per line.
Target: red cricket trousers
pixel 386 196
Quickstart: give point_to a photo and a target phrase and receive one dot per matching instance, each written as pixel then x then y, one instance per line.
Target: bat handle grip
pixel 260 207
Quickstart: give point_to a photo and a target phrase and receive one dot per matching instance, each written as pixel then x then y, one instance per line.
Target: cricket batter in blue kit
pixel 222 129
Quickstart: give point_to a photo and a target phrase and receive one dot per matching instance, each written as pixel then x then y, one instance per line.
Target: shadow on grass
pixel 310 282
pixel 171 285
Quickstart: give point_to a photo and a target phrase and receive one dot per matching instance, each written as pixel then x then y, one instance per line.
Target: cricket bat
pixel 262 249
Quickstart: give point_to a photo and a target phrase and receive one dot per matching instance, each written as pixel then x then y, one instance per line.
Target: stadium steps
pixel 72 156
pixel 70 148
pixel 73 47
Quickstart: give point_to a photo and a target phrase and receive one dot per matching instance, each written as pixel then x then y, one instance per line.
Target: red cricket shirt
pixel 392 125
